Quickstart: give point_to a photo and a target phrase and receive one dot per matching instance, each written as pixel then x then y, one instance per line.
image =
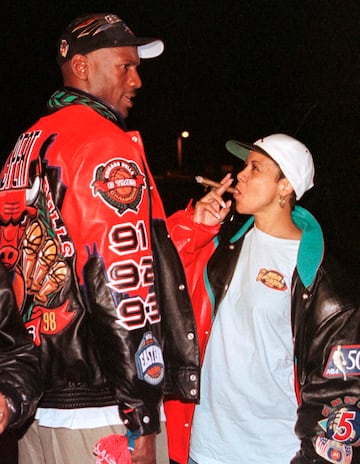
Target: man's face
pixel 113 76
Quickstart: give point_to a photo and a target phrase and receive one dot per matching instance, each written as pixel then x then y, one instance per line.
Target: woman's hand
pixel 212 209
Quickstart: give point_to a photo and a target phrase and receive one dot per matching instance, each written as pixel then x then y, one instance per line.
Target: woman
pixel 274 308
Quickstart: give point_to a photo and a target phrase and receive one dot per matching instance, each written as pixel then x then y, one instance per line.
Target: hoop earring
pixel 282 201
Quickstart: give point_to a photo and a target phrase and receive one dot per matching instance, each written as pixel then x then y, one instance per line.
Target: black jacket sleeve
pixel 329 412
pixel 20 378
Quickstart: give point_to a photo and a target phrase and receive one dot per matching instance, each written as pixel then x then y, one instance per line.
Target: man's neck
pixel 71 96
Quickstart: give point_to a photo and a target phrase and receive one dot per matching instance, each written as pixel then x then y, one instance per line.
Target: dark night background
pixel 231 69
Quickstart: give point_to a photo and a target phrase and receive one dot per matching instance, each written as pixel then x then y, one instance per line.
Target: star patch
pixel 333 452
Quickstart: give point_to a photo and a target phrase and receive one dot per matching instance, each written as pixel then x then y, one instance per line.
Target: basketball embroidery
pixel 120 184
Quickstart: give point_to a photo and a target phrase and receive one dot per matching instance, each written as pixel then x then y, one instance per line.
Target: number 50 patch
pixel 344 361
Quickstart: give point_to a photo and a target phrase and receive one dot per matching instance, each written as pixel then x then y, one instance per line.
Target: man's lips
pixel 129 99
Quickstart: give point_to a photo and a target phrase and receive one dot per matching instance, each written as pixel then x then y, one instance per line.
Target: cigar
pixel 211 183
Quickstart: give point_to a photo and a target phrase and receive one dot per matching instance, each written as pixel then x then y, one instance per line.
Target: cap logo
pixel 64 48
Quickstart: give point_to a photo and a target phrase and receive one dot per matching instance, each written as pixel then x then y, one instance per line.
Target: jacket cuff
pixel 142 420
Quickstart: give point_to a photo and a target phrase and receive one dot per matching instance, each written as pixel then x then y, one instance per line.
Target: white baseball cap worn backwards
pixel 293 157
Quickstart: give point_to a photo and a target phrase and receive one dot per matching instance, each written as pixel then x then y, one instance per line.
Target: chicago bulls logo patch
pixel 120 184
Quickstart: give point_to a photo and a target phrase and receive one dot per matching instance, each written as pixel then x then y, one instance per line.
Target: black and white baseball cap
pixel 103 30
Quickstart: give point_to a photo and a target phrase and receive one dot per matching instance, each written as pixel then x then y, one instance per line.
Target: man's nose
pixel 135 80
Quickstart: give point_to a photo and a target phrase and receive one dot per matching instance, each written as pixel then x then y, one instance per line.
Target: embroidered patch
pixel 272 279
pixel 344 361
pixel 332 451
pixel 343 425
pixel 120 184
pixel 149 360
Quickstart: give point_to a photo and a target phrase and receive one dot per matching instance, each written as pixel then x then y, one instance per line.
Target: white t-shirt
pixel 82 418
pixel 247 407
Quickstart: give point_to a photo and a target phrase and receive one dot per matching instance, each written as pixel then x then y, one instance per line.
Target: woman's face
pixel 258 185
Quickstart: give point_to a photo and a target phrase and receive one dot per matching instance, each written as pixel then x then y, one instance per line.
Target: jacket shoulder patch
pixel 344 361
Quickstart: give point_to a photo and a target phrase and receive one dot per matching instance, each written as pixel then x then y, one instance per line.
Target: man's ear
pixel 79 66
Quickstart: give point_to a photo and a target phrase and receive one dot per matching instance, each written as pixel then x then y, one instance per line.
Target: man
pixel 20 381
pixel 85 257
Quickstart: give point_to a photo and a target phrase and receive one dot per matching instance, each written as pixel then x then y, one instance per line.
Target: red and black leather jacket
pixel 98 280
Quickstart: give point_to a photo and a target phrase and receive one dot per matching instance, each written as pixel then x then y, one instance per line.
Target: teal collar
pixel 311 250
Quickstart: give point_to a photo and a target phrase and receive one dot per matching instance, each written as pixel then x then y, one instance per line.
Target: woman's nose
pixel 241 176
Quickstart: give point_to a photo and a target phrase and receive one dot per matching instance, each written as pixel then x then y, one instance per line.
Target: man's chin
pixel 124 112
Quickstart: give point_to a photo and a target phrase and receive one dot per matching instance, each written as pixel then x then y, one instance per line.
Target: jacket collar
pixel 311 250
pixel 68 96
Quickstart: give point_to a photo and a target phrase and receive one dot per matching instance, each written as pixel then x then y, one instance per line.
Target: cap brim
pixel 147 47
pixel 241 150
pixel 150 49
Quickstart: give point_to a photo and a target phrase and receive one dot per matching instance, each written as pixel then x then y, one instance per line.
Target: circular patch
pixel 120 184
